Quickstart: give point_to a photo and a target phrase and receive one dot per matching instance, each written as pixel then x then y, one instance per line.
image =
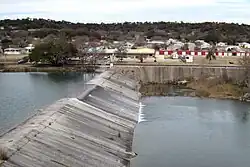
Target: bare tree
pixel 245 63
pixel 121 51
pixel 210 56
pixel 82 53
pixel 88 54
pixel 156 48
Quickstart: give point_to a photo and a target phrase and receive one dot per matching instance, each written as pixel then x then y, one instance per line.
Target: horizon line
pixel 122 22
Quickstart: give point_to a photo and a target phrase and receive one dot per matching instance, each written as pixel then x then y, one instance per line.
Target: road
pixel 174 65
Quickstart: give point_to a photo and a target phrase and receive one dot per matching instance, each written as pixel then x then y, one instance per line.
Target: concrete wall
pixel 164 74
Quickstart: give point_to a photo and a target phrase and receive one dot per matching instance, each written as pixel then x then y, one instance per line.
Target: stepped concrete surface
pixel 95 129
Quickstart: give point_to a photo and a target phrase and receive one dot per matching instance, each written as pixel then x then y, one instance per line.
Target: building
pixel 29 48
pixel 221 44
pixel 189 58
pixel 13 51
pixel 244 45
pixel 18 51
pixel 156 42
pixel 137 51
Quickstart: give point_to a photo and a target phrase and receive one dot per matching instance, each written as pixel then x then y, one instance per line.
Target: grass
pixel 203 87
pixel 216 88
pixel 11 58
pixel 3 154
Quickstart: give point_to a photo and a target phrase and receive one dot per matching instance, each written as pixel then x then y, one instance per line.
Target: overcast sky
pixel 237 11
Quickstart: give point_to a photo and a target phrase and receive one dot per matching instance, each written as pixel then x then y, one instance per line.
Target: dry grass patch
pixel 217 88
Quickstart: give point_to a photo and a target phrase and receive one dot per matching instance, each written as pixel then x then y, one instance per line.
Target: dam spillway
pixel 94 129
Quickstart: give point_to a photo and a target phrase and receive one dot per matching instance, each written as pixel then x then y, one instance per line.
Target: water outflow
pixel 95 129
pixel 141 114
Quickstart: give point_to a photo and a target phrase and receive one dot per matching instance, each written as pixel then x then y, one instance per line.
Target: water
pixel 192 132
pixel 21 94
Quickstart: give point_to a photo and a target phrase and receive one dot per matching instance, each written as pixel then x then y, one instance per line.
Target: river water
pixel 176 131
pixel 21 94
pixel 192 132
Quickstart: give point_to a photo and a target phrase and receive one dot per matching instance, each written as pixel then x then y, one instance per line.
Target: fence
pixel 203 53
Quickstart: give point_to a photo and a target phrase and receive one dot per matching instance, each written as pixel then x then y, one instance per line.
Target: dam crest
pixel 94 129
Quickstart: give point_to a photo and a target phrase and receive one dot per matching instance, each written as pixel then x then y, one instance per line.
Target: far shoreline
pixel 30 68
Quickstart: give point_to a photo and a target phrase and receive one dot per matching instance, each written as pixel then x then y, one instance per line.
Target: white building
pixel 129 44
pixel 244 45
pixel 234 48
pixel 176 46
pixel 175 56
pixel 202 44
pixel 189 58
pixel 171 41
pixel 221 44
pixel 29 48
pixel 191 46
pixel 156 42
pixel 13 51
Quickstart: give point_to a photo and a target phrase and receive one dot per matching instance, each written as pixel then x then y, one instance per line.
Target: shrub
pixel 3 154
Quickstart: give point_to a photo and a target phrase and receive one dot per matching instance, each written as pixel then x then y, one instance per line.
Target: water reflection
pixel 67 76
pixel 23 93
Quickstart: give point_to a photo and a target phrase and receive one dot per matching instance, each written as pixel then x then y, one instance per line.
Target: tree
pixel 210 54
pixel 245 63
pixel 89 53
pixel 5 43
pixel 185 47
pixel 156 48
pixel 121 51
pixel 55 52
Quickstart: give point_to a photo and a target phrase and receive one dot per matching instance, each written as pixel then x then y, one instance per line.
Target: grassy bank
pixel 216 88
pixel 30 68
pixel 206 87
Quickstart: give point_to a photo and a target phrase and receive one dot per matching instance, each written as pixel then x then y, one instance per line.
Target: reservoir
pixel 192 132
pixel 21 94
pixel 174 131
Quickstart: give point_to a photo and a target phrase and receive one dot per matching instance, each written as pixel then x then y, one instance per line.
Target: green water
pixel 21 94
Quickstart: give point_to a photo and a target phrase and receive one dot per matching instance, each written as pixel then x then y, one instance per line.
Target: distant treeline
pixel 208 31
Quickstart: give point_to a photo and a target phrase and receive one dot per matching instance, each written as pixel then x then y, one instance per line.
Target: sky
pixel 109 11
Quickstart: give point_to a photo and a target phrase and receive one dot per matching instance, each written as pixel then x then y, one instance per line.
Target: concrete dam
pixel 165 74
pixel 94 129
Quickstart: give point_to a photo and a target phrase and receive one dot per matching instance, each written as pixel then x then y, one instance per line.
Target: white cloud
pixel 128 10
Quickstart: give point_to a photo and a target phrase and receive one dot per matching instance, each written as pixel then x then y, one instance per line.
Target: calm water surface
pixel 192 132
pixel 21 94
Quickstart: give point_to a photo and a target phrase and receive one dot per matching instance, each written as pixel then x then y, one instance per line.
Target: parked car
pixel 23 60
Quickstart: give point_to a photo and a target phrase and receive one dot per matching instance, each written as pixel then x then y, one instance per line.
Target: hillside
pixel 23 31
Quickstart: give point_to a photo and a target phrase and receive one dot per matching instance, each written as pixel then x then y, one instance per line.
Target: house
pixel 233 48
pixel 156 42
pixel 137 51
pixel 244 45
pixel 221 44
pixel 191 46
pixel 129 45
pixel 171 41
pixel 175 55
pixel 189 58
pixel 176 46
pixel 29 48
pixel 13 51
pixel 202 44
